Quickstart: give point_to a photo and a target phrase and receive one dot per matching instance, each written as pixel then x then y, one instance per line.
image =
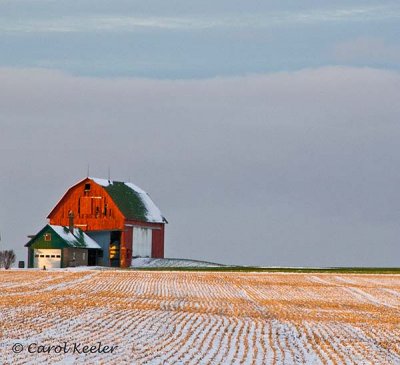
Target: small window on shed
pixel 83 255
pixel 58 256
pixel 48 256
pixel 47 237
pixel 53 256
pixel 87 186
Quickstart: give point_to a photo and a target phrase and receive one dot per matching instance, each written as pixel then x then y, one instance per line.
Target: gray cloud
pixel 180 39
pixel 128 23
pixel 294 168
pixel 367 50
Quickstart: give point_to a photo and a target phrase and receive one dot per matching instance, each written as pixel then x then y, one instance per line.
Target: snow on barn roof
pixel 133 201
pixel 78 239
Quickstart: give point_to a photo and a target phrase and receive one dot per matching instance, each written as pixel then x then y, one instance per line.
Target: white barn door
pixel 48 258
pixel 141 242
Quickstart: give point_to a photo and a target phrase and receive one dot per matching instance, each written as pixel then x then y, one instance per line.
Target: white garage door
pixel 48 258
pixel 141 242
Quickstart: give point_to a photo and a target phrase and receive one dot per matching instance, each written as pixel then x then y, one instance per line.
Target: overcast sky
pixel 267 133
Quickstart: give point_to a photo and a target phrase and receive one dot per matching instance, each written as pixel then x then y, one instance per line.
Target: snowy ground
pixel 149 262
pixel 200 317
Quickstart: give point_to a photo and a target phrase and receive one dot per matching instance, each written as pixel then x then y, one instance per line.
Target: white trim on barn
pixel 142 226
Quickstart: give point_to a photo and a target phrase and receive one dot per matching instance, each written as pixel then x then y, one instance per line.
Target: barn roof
pixel 133 202
pixel 77 239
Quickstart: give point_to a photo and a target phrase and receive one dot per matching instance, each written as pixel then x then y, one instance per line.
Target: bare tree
pixel 7 258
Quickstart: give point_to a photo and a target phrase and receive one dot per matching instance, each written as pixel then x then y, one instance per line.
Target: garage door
pixel 48 258
pixel 141 242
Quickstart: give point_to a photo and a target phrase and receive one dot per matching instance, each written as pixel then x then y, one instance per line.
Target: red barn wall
pixel 126 247
pixel 93 210
pixel 157 249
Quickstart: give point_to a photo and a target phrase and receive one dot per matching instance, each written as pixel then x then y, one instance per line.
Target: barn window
pixel 36 255
pixel 41 255
pixel 58 256
pixel 53 256
pixel 47 237
pixel 87 187
pixel 48 256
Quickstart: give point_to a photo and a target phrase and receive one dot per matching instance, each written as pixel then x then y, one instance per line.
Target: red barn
pixel 119 216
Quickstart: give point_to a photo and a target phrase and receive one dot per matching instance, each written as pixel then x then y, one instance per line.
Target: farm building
pixel 57 246
pixel 118 216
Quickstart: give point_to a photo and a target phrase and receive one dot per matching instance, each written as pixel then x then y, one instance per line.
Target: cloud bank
pixel 48 23
pixel 296 168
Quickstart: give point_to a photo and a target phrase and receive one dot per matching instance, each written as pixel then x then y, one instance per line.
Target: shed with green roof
pixel 59 246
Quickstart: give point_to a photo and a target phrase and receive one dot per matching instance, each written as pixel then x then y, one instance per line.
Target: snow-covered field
pixel 150 262
pixel 200 317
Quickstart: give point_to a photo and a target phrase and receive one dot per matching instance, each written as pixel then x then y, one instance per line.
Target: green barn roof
pixel 61 237
pixel 133 202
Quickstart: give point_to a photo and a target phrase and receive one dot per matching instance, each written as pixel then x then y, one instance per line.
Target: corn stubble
pixel 202 318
